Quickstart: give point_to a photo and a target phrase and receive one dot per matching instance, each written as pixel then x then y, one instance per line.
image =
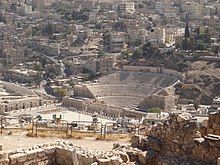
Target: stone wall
pixel 211 126
pixel 153 70
pixel 178 141
pixel 83 91
pixel 62 153
pixel 13 88
pixel 164 99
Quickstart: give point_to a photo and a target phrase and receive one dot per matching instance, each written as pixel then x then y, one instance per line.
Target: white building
pixel 126 7
pixel 157 35
pixel 163 5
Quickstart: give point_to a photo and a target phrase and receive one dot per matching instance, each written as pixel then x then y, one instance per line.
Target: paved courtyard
pixel 49 111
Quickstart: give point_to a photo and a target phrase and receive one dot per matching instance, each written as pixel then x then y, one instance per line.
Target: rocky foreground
pixel 179 140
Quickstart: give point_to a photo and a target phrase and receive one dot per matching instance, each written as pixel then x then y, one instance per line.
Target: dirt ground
pixel 203 67
pixel 18 141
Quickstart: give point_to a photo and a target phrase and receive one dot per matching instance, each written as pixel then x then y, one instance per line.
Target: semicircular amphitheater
pixel 129 88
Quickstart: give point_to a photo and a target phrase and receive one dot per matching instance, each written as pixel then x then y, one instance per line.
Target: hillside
pixel 202 83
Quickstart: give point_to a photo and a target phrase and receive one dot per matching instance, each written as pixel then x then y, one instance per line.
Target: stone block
pixel 210 131
pixel 3 155
pixel 116 160
pixel 217 132
pixel 104 161
pixel 50 150
pixel 216 126
pixel 199 140
pixel 4 162
pixel 213 116
pixel 135 140
pixel 44 158
pixel 142 158
pixel 124 157
pixel 40 152
pixel 218 161
pixel 45 162
pixel 95 163
pixel 205 124
pixel 32 154
pixel 18 158
pixel 30 162
pixel 183 117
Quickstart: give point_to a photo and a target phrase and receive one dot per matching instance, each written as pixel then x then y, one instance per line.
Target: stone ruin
pixel 178 140
pixel 63 153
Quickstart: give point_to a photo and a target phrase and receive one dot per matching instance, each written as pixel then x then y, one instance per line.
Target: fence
pixel 62 127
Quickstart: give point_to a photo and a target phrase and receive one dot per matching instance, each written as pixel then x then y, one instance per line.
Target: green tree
pixel 137 53
pixel 3 19
pixel 135 42
pixel 38 78
pixel 43 61
pixel 154 110
pixel 182 66
pixel 98 25
pixel 48 29
pixel 150 50
pixel 71 83
pixel 51 73
pixel 61 92
pixel 106 36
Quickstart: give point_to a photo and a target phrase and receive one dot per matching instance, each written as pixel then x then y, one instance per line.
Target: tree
pixel 48 29
pixel 140 6
pixel 38 78
pixel 135 42
pixel 71 83
pixel 106 36
pixel 3 19
pixel 182 66
pixel 216 50
pixel 43 62
pixel 75 15
pixel 186 34
pixel 98 25
pixel 61 92
pixel 154 110
pixel 150 50
pixel 137 53
pixel 51 73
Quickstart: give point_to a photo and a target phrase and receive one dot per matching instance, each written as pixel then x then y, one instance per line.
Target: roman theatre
pixel 127 92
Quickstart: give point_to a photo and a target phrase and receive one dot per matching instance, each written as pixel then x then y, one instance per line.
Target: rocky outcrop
pixel 200 88
pixel 178 141
pixel 211 126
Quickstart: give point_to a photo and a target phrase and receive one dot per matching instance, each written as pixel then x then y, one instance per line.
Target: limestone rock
pixel 142 158
pixel 104 161
pixel 184 117
pixel 135 140
pixel 124 157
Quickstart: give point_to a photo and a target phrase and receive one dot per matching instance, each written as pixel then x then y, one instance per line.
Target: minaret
pixel 186 35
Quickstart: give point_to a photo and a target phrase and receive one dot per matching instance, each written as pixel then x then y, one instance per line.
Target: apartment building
pixel 157 35
pixel 126 7
pixel 20 75
pixel 104 64
pixel 163 5
pixel 14 56
pixel 38 4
